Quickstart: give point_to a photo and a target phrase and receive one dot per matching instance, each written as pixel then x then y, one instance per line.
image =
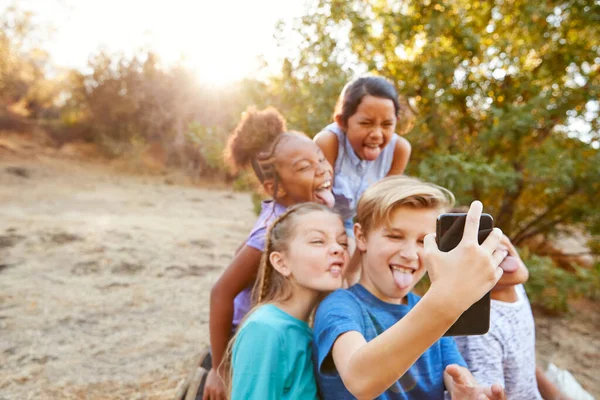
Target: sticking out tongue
pixel 326 197
pixel 402 279
pixel 509 264
pixel 371 153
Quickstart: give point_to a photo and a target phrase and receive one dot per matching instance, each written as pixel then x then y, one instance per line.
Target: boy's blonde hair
pixel 382 198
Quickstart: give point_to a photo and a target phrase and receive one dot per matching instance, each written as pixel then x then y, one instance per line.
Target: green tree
pixel 495 87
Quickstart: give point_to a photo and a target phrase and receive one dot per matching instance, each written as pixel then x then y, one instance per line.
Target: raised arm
pixel 401 156
pixel 240 274
pixel 459 278
pixel 328 143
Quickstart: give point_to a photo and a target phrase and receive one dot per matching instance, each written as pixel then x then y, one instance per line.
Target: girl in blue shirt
pixel 305 254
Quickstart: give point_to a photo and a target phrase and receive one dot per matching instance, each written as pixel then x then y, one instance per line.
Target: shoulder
pixel 340 302
pixel 270 210
pixel 329 143
pixel 402 147
pixel 261 322
pixel 402 150
pixel 340 296
pixel 399 157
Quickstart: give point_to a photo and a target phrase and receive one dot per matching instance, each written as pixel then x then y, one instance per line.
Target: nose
pixel 409 252
pixel 336 249
pixel 377 133
pixel 321 168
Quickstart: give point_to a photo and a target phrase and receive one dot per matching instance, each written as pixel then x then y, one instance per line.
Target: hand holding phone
pixel 449 233
pixel 466 273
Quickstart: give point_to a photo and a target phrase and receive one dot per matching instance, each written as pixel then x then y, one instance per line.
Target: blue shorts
pixel 349 226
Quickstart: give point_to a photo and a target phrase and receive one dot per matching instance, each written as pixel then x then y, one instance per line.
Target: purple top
pixel 269 212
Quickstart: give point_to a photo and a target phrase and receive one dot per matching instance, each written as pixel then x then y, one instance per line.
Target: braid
pixel 270 285
pixel 265 285
pixel 265 273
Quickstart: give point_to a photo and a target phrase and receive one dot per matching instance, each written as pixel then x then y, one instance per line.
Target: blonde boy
pixel 377 339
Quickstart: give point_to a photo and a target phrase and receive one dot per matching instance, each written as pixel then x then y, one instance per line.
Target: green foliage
pixel 210 142
pixel 493 87
pixel 590 282
pixel 549 286
pixel 256 202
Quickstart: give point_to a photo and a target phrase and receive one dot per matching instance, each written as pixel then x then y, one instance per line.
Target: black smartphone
pixel 449 232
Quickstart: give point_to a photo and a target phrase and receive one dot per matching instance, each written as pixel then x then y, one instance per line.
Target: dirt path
pixel 104 283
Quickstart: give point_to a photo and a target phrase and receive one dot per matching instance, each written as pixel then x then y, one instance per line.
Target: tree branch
pixel 557 203
pixel 542 228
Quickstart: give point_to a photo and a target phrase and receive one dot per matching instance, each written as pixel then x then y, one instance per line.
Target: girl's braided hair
pixel 270 284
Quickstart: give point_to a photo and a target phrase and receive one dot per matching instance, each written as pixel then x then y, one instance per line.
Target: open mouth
pixel 336 269
pixel 372 150
pixel 323 194
pixel 403 276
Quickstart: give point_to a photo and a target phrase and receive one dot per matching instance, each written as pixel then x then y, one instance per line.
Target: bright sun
pixel 220 40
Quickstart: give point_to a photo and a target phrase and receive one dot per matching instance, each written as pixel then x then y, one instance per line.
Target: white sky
pixel 219 39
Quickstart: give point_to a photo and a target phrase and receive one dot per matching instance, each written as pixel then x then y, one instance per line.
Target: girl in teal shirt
pixel 304 258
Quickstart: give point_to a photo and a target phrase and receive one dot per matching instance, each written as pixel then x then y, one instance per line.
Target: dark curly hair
pixel 254 140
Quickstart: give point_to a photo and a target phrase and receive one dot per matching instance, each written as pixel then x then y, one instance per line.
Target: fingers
pixel 429 243
pixel 493 240
pixel 498 392
pixel 457 374
pixel 472 222
pixel 498 256
pixel 494 392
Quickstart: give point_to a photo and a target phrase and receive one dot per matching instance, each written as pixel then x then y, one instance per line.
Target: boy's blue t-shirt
pixel 272 357
pixel 356 309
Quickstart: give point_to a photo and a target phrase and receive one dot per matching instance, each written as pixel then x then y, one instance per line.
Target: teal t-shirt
pixel 272 357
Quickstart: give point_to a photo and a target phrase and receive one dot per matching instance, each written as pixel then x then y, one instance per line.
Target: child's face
pixel 392 255
pixel 304 173
pixel 317 254
pixel 371 127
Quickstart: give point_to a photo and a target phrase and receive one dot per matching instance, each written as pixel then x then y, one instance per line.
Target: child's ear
pixel 269 187
pixel 277 260
pixel 361 239
pixel 340 121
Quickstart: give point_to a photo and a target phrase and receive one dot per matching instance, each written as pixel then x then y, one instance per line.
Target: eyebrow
pixel 392 229
pixel 300 160
pixel 308 232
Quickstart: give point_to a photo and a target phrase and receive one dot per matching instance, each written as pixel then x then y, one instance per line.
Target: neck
pixel 300 304
pixel 507 294
pixel 284 201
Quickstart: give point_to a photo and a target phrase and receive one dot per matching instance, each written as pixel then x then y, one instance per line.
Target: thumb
pixel 429 243
pixel 456 374
pixel 499 272
pixel 498 392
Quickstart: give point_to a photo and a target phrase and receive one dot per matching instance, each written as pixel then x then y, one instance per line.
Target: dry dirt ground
pixel 105 279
